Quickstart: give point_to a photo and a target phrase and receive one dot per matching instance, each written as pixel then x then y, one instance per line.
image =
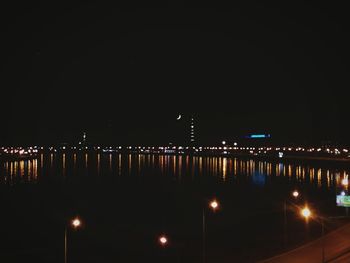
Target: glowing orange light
pixel 76 223
pixel 214 204
pixel 305 212
pixel 163 240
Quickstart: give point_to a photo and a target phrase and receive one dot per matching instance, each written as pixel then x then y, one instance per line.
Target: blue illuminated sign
pixel 256 136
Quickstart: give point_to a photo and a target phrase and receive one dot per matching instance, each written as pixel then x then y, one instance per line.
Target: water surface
pixel 127 200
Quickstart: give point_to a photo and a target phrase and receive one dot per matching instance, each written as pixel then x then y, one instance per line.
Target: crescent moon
pixel 179 117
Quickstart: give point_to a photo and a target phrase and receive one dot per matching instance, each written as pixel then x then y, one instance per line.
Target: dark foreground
pixel 333 247
pixel 124 214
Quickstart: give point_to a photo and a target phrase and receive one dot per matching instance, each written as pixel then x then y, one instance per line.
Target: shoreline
pixel 265 157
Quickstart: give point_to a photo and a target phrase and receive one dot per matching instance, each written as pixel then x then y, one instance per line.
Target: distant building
pixel 192 131
pixel 260 139
pixel 84 140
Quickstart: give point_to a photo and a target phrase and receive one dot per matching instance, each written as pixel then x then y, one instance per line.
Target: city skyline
pixel 174 132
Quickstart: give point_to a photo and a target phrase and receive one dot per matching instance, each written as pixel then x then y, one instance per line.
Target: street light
pixel 163 240
pixel 74 223
pixel 213 205
pixel 306 213
pixel 168 245
pixel 163 243
pixel 296 195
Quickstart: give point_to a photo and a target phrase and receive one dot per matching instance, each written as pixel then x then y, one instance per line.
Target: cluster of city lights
pixel 223 149
pixel 19 150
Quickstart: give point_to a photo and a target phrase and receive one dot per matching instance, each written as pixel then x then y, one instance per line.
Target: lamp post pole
pixel 65 245
pixel 285 222
pixel 213 205
pixel 307 213
pixel 203 235
pixel 296 195
pixel 75 223
pixel 323 252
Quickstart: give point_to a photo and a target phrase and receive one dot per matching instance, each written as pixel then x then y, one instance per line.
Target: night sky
pixel 124 75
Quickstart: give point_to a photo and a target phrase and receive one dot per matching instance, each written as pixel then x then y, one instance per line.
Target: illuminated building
pixel 192 131
pixel 258 140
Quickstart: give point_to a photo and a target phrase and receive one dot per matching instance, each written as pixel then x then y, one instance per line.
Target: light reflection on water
pixel 19 171
pixel 225 169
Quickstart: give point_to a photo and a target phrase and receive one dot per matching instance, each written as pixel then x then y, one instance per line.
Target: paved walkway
pixel 336 243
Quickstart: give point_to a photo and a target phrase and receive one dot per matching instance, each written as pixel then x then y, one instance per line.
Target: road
pixel 336 248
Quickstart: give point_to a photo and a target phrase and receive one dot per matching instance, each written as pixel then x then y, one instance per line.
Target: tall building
pixel 192 134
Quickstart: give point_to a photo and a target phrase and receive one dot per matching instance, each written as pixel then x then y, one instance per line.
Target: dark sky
pixel 124 75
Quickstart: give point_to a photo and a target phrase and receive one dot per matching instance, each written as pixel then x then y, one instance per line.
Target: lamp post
pixel 295 194
pixel 163 240
pixel 323 256
pixel 306 213
pixel 213 205
pixel 75 224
